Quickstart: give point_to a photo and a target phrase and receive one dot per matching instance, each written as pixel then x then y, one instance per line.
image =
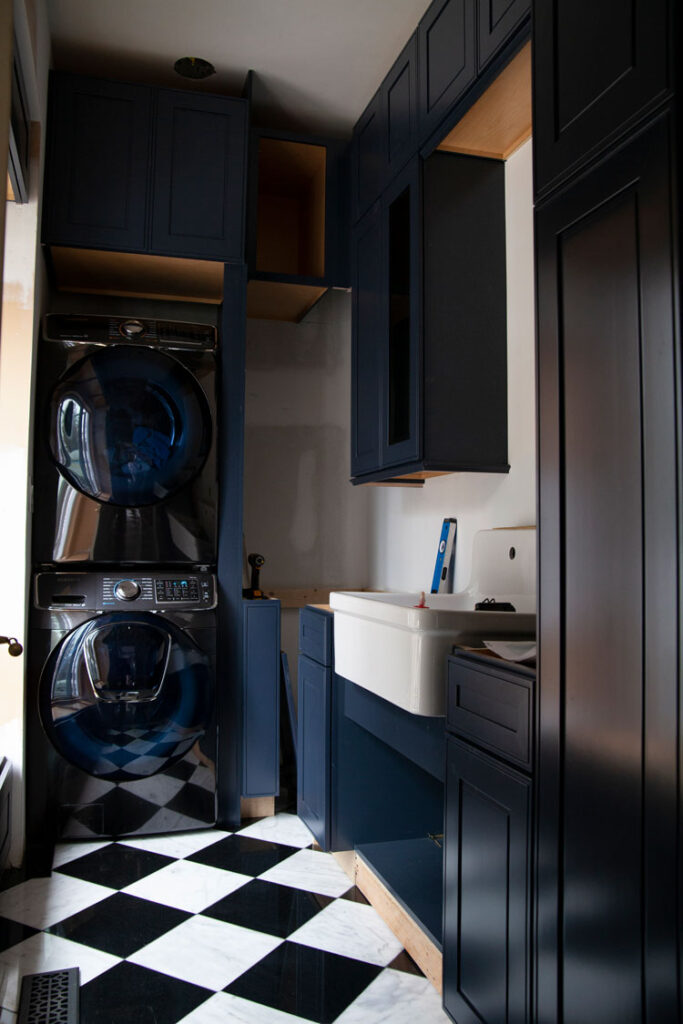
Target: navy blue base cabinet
pixel 138 169
pixel 363 776
pixel 261 698
pixel 488 842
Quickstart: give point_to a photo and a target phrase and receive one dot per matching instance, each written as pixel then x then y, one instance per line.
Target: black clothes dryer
pixel 125 466
pixel 121 722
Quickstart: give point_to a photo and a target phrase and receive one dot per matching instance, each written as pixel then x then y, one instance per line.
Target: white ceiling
pixel 318 62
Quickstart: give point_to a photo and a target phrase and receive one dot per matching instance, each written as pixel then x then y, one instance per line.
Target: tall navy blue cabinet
pixel 608 889
pixel 497 21
pixel 132 168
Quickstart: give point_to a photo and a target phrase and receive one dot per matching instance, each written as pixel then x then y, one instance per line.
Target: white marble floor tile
pixel 312 871
pixel 350 929
pixel 206 952
pixel 65 852
pixel 223 1007
pixel 165 820
pixel 41 902
pixel 287 829
pixel 45 952
pixel 182 844
pixel 187 886
pixel 395 997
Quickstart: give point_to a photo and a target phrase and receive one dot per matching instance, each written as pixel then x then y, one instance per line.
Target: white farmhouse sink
pixel 385 644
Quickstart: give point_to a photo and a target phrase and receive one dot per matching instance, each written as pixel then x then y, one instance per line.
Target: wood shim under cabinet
pixel 500 120
pixel 137 275
pixel 423 951
pixel 408 480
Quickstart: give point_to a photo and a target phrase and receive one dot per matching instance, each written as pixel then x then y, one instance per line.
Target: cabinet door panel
pixel 447 61
pixel 498 19
pixel 487 887
pixel 596 67
pixel 199 176
pixel 608 632
pixel 368 341
pixel 399 92
pixel 368 158
pixel 98 164
pixel 261 698
pixel 313 748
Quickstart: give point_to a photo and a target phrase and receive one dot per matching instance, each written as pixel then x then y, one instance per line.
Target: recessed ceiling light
pixel 194 67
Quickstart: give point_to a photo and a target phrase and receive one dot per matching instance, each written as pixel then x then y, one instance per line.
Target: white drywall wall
pixel 405 523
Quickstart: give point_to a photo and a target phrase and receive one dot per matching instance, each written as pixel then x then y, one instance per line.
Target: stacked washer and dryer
pixel 121 716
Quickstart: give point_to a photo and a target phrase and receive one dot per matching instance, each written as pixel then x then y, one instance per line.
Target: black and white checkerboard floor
pixel 208 927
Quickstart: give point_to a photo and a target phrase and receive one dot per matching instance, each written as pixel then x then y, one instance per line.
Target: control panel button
pixel 132 329
pixel 127 590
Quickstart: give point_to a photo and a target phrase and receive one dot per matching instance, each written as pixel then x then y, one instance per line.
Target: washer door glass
pixel 125 695
pixel 129 426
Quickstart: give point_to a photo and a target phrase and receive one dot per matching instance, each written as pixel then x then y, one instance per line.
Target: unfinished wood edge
pixel 141 294
pixel 257 806
pixel 423 951
pixel 346 859
pixel 521 139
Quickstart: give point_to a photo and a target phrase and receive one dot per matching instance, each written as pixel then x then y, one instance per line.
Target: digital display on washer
pixel 181 589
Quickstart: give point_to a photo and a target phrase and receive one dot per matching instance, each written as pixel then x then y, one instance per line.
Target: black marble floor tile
pixel 115 865
pixel 194 802
pixel 354 895
pixel 117 813
pixel 12 932
pixel 121 924
pixel 267 907
pixel 243 854
pixel 404 962
pixel 128 994
pixel 182 770
pixel 306 982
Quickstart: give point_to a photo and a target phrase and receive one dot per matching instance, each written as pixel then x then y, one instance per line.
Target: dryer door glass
pixel 129 425
pixel 125 695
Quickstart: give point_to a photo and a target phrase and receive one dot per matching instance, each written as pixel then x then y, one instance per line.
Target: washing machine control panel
pixel 105 591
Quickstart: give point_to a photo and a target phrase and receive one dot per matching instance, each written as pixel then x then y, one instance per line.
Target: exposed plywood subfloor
pixel 500 120
pixel 137 276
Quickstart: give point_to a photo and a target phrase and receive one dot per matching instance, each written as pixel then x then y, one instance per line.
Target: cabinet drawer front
pixel 491 708
pixel 315 635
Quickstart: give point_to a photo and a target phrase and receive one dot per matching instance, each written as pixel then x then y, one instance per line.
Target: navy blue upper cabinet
pixel 368 170
pixel 97 163
pixel 597 67
pixel 498 19
pixel 447 58
pixel 137 169
pixel 198 206
pixel 429 356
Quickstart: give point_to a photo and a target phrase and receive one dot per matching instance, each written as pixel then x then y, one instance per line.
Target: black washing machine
pixel 121 723
pixel 125 463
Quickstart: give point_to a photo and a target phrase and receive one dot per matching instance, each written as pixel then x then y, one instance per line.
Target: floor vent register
pixel 50 997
